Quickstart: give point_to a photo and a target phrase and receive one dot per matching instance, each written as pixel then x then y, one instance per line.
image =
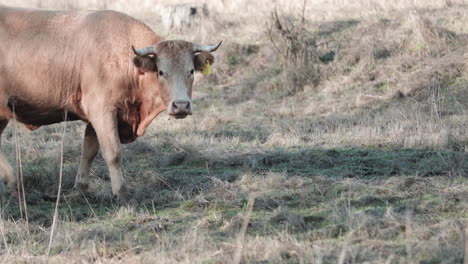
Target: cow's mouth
pixel 179 116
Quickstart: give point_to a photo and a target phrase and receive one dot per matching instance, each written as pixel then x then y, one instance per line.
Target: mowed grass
pixel 362 157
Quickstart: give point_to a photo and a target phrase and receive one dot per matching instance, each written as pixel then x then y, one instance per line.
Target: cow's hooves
pixel 81 186
pixel 13 192
pixel 12 189
pixel 125 200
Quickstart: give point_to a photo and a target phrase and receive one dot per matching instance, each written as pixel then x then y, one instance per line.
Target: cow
pixel 102 67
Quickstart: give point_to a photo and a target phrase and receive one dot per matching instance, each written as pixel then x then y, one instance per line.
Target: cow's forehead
pixel 174 54
pixel 173 47
pixel 174 44
pixel 175 58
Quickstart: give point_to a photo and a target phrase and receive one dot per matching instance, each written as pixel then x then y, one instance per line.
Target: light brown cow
pixel 79 65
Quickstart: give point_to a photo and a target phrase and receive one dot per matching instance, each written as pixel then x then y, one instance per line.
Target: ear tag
pixel 207 68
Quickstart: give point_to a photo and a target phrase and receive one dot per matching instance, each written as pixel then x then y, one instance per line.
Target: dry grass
pixel 406 219
pixel 349 127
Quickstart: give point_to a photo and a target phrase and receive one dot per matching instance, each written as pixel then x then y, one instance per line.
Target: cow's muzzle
pixel 180 109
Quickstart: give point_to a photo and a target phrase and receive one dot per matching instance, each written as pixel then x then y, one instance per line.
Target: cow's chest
pixel 128 121
pixel 127 133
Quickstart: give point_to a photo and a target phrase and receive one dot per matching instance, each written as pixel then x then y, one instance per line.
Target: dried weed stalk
pixel 296 50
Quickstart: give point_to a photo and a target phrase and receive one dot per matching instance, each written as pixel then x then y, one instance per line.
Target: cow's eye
pixel 191 72
pixel 161 73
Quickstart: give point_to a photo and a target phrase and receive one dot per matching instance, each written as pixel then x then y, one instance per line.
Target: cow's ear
pixel 145 63
pixel 200 60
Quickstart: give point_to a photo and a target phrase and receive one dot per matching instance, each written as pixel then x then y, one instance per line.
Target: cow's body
pixel 79 65
pixel 55 61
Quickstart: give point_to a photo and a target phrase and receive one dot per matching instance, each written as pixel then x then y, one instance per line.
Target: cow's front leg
pixel 105 126
pixel 90 149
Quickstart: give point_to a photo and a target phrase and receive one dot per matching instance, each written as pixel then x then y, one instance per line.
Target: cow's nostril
pixel 181 108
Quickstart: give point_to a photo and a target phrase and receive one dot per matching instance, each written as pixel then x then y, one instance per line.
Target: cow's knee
pixel 113 159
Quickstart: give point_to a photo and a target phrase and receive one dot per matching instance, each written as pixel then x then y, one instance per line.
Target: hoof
pixel 12 188
pixel 81 186
pixel 124 199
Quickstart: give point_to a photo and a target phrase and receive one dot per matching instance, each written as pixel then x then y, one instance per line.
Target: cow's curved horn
pixel 207 48
pixel 151 50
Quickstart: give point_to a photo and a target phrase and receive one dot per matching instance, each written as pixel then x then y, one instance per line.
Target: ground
pixel 326 133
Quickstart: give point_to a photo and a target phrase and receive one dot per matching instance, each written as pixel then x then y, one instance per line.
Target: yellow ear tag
pixel 207 68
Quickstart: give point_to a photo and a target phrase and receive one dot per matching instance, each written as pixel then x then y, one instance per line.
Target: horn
pixel 207 48
pixel 151 50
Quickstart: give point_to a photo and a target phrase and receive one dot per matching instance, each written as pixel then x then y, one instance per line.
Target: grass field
pixel 328 132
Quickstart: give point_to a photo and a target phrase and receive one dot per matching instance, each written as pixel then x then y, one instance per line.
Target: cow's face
pixel 175 62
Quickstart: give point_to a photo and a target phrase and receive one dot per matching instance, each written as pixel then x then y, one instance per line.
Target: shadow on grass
pixel 165 176
pixel 192 172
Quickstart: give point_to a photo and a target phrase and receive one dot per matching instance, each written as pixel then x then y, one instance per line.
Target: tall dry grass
pixel 319 9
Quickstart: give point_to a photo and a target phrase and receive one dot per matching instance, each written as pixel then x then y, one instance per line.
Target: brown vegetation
pixel 346 122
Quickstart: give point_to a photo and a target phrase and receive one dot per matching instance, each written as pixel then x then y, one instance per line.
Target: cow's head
pixel 175 61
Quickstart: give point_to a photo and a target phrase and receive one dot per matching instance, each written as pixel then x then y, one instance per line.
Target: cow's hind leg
pixel 6 171
pixel 90 149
